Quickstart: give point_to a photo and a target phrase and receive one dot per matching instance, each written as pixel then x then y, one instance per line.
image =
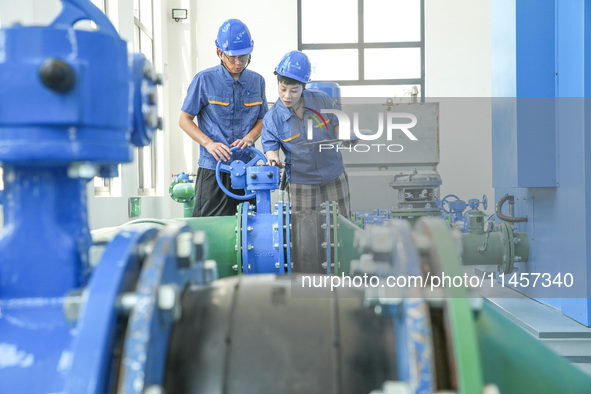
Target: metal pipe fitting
pixel 510 218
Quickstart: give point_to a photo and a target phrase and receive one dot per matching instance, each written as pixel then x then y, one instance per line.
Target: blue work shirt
pixel 310 164
pixel 226 109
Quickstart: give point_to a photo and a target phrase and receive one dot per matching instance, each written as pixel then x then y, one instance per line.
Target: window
pixel 369 47
pixel 144 43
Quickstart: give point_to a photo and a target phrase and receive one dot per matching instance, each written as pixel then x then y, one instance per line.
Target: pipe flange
pixel 174 196
pixel 158 289
pixel 506 265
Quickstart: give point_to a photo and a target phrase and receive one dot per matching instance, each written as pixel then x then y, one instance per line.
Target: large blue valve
pixel 258 180
pixel 71 103
pixel 64 118
pixel 237 171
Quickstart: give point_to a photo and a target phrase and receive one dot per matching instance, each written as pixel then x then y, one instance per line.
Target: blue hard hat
pixel 295 65
pixel 234 38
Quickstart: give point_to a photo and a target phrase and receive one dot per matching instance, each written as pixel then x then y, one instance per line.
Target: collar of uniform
pixel 228 78
pixel 287 113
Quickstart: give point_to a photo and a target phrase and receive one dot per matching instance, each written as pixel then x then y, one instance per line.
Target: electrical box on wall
pixel 134 207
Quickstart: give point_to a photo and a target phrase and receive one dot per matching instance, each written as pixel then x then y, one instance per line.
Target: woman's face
pixel 290 94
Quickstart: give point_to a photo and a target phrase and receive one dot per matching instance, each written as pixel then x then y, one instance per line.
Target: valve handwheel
pixel 237 168
pixel 445 201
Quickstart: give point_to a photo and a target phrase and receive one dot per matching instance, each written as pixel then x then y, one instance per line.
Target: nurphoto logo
pixel 394 124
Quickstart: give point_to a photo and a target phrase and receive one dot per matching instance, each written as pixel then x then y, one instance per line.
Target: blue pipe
pixel 71 103
pixel 51 258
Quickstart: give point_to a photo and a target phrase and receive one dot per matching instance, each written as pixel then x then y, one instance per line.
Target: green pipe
pixel 184 193
pixel 221 240
pixel 494 248
pixel 501 247
pixel 482 249
pixel 106 234
pixel 188 208
pixel 184 190
pixel 522 246
pixel 460 319
pixel 519 363
pixel 347 251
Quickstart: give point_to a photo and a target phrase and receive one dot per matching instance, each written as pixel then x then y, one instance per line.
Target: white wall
pixel 179 68
pixel 458 66
pixel 458 48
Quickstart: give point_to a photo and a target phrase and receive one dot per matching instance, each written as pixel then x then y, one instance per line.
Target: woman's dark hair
pixel 288 81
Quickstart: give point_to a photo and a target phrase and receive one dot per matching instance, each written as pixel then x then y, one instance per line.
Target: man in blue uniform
pixel 296 125
pixel 229 103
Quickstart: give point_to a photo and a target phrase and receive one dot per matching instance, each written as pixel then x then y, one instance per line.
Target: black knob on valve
pixel 57 75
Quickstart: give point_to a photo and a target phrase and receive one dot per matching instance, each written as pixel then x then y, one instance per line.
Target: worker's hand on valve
pixel 242 143
pixel 219 151
pixel 238 172
pixel 276 162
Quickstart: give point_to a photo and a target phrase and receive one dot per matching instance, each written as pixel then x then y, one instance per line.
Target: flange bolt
pixel 57 75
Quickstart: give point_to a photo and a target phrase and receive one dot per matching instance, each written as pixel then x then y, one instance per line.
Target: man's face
pixel 234 64
pixel 290 94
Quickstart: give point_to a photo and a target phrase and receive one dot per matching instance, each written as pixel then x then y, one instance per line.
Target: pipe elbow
pixel 510 219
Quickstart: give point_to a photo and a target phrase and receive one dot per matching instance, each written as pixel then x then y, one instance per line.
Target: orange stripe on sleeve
pixel 292 138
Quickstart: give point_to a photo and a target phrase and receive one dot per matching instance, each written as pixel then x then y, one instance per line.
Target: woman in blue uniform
pixel 296 125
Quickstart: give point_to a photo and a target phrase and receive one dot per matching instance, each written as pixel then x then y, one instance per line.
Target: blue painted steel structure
pixel 70 106
pixel 541 149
